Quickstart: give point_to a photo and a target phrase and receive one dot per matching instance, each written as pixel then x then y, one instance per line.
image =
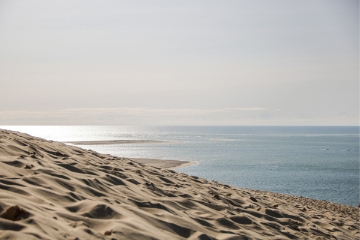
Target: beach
pixel 161 163
pixel 52 190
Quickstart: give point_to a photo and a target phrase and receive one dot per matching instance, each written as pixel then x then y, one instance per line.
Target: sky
pixel 181 62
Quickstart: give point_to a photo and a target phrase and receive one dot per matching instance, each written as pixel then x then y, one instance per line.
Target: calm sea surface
pixel 315 162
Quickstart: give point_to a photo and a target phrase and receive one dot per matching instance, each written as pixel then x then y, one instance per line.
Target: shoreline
pixel 163 163
pixel 155 162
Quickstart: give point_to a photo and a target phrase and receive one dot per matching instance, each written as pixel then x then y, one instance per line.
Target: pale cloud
pixel 247 109
pixel 265 116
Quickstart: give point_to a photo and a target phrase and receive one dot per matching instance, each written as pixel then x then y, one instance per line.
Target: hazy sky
pixel 268 62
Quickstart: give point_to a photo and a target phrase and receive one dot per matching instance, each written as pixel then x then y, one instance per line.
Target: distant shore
pixel 111 142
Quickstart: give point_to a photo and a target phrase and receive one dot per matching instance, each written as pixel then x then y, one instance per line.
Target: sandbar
pixel 161 163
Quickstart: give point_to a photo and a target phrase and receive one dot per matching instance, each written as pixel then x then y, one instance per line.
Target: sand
pixel 50 190
pixel 162 163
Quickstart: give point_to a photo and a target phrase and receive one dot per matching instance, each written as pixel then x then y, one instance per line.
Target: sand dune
pixel 49 190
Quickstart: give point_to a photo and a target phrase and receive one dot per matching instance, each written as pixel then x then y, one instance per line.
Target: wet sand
pixel 160 163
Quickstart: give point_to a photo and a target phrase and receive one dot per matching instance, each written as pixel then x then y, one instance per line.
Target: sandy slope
pixel 50 190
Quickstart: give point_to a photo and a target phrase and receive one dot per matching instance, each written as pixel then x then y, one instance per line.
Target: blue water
pixel 315 162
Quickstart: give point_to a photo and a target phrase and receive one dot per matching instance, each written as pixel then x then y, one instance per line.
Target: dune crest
pixel 49 190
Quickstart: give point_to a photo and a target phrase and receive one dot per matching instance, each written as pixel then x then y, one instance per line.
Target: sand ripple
pixel 49 190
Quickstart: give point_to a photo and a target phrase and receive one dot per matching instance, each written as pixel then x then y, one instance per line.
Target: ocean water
pixel 315 162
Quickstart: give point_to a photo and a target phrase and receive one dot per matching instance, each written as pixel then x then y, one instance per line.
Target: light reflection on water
pixel 316 162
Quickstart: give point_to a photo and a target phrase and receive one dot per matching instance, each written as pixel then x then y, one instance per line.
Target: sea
pixel 314 162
